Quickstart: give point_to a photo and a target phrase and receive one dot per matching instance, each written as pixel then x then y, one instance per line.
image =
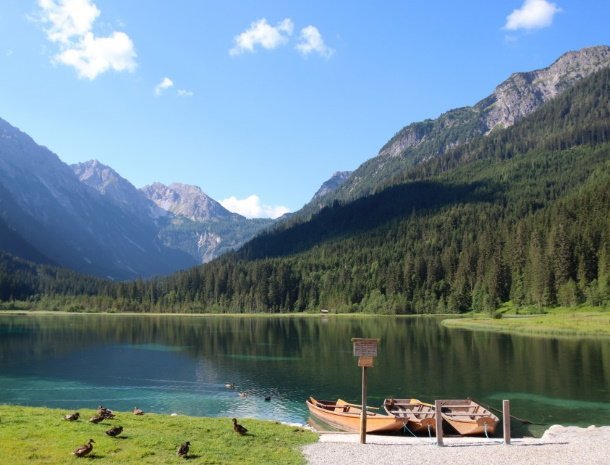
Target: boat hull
pixel 419 417
pixel 346 417
pixel 469 418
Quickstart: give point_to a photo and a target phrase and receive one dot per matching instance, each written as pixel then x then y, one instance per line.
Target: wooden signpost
pixel 365 350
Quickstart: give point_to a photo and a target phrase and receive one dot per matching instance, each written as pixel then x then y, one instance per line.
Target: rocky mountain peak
pixel 101 177
pixel 117 189
pixel 512 100
pixel 522 93
pixel 187 201
pixel 332 184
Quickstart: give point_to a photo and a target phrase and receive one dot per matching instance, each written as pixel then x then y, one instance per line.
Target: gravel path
pixel 558 446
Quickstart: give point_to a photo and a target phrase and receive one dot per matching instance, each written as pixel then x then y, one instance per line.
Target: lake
pixel 181 364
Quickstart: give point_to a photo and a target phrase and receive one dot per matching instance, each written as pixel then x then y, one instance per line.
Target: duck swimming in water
pixel 238 428
pixel 84 449
pixel 183 450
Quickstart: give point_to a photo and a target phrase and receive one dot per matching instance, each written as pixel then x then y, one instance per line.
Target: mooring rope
pixel 485 430
pixel 406 428
pixel 430 435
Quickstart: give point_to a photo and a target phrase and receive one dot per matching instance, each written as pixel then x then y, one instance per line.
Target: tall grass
pixel 589 321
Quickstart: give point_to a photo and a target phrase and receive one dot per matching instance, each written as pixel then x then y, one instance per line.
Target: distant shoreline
pixel 574 324
pixel 564 323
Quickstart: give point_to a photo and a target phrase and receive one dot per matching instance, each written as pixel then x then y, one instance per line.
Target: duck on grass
pixel 36 436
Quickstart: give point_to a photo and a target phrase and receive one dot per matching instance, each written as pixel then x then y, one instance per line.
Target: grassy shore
pixel 41 436
pixel 580 322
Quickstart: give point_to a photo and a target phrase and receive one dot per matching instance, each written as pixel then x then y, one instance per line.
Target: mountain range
pixel 89 219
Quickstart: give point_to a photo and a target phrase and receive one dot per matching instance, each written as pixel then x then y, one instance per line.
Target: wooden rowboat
pixel 468 418
pixel 346 416
pixel 417 416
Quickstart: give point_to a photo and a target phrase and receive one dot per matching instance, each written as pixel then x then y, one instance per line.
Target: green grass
pixel 35 436
pixel 561 321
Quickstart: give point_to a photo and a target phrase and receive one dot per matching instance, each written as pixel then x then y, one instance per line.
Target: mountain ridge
pixel 423 140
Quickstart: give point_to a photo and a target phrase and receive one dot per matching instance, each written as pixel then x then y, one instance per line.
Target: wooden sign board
pixel 366 362
pixel 365 347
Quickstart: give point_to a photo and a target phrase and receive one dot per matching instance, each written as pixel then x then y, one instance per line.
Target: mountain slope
pixel 117 190
pixel 521 214
pixel 183 216
pixel 518 214
pixel 332 184
pixel 198 224
pixel 512 100
pixel 70 223
pixel 187 201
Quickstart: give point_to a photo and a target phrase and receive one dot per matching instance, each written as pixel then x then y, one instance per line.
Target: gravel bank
pixel 558 446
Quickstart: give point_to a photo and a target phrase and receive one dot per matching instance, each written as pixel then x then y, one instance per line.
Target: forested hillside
pixel 520 214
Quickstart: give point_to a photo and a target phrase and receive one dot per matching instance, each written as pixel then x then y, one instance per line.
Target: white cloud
pixel 251 207
pixel 70 23
pixel 311 41
pixel 533 14
pixel 185 93
pixel 166 83
pixel 261 33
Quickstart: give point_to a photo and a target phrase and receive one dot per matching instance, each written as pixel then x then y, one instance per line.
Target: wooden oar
pixel 489 407
pixel 360 406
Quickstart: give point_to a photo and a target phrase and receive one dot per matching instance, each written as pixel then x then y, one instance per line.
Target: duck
pixel 238 428
pixel 183 450
pixel 230 385
pixel 85 449
pixel 72 416
pixel 96 419
pixel 138 411
pixel 114 431
pixel 268 399
pixel 105 412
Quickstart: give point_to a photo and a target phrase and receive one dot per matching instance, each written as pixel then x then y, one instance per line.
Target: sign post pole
pixel 363 414
pixel 365 350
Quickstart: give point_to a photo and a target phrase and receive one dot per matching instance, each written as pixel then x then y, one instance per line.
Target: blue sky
pixel 259 102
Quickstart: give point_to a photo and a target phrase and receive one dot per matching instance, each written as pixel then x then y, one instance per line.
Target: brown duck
pixel 114 431
pixel 183 450
pixel 72 416
pixel 85 449
pixel 138 411
pixel 105 412
pixel 238 428
pixel 96 419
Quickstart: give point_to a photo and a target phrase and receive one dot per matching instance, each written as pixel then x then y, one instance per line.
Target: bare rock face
pixel 186 201
pixel 207 245
pixel 117 189
pixel 336 180
pixel 523 93
pixel 515 98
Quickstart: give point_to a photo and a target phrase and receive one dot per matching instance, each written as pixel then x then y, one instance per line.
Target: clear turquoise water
pixel 181 364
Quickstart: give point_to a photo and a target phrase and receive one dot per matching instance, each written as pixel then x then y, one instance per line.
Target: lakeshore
pixel 37 436
pixel 560 445
pixel 564 322
pixel 547 322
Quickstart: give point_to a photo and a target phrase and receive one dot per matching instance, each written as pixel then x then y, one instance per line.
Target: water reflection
pixel 181 364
